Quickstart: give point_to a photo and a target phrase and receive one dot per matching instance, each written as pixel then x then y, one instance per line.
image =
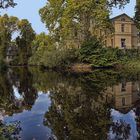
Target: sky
pixel 129 9
pixel 29 10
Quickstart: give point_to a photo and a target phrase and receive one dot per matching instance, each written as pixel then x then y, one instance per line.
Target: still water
pixel 46 105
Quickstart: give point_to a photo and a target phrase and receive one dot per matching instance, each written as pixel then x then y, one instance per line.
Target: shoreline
pixel 87 68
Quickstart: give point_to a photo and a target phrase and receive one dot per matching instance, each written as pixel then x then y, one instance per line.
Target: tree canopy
pixel 137 14
pixel 7 3
pixel 24 40
pixel 8 25
pixel 65 19
pixel 70 19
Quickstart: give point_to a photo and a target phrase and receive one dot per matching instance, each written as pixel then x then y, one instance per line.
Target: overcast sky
pixel 28 9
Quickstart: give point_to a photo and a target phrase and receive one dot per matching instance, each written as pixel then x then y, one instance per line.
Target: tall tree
pixel 137 14
pixel 8 25
pixel 24 40
pixel 70 19
pixel 39 47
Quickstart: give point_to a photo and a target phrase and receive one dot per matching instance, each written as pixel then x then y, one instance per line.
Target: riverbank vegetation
pixel 15 51
pixel 90 53
pixel 71 39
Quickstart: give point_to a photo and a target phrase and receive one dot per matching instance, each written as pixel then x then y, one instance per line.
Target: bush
pixel 53 57
pixel 92 52
pixel 60 57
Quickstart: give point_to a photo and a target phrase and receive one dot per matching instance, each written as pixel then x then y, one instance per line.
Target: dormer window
pixel 122 27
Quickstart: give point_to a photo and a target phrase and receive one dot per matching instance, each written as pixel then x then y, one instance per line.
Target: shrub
pixel 53 57
pixel 92 52
pixel 60 57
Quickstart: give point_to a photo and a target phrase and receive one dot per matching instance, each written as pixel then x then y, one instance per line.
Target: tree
pixel 71 20
pixel 39 47
pixel 11 3
pixel 7 3
pixel 8 25
pixel 24 40
pixel 67 19
pixel 121 3
pixel 137 14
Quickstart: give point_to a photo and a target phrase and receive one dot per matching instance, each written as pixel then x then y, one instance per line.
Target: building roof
pixel 124 14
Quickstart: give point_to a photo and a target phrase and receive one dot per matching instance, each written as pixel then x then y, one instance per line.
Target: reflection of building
pixel 125 94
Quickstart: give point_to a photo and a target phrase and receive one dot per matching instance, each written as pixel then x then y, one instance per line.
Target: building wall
pixel 118 38
pixel 123 97
pixel 128 33
pixel 125 94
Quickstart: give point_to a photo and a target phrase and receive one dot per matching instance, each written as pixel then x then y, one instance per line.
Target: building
pixel 125 95
pixel 125 34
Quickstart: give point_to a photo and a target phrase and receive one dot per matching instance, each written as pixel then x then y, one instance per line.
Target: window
pixel 123 101
pixel 122 27
pixel 123 43
pixel 123 86
pixel 112 43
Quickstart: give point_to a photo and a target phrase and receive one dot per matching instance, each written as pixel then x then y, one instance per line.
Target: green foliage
pixel 88 48
pixel 8 25
pixel 41 40
pixel 9 131
pixel 137 14
pixel 24 41
pixel 51 57
pixel 59 57
pixel 39 47
pixel 26 31
pixel 93 53
pixel 67 19
pixel 70 20
pixel 46 53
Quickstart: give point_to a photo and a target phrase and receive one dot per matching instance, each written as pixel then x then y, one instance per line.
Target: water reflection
pixel 123 126
pixel 49 105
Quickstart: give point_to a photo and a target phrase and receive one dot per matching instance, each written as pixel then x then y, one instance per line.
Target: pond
pixel 47 105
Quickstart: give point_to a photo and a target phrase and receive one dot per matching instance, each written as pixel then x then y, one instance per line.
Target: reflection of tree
pixel 137 111
pixel 79 110
pixel 22 79
pixel 24 83
pixel 10 131
pixel 121 130
pixel 7 100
